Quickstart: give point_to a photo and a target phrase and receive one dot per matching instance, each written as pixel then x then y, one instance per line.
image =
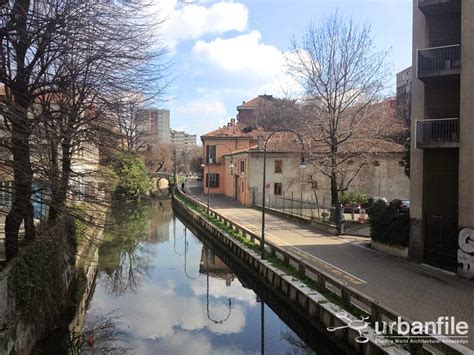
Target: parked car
pixel 402 206
pixel 199 178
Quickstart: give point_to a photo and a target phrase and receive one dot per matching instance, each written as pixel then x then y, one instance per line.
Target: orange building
pixel 218 178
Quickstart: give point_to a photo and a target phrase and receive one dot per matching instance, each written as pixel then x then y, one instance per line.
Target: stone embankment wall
pixel 304 300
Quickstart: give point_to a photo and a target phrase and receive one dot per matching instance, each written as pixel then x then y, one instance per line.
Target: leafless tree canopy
pixel 343 76
pixel 63 65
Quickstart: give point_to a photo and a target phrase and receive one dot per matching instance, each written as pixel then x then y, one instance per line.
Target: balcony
pixel 437 133
pixel 439 62
pixel 437 7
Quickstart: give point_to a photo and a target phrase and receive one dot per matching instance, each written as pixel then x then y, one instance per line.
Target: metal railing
pixel 350 297
pixel 437 132
pixel 438 59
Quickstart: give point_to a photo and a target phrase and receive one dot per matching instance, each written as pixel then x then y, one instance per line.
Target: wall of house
pixel 223 146
pixel 466 149
pixel 386 178
pixel 416 249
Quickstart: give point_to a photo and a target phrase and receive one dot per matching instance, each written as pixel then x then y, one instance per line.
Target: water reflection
pixel 157 295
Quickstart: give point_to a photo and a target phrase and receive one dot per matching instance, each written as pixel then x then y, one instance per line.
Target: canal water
pixel 161 290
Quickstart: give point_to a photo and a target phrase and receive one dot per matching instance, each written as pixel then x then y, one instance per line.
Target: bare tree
pixel 62 64
pixel 343 75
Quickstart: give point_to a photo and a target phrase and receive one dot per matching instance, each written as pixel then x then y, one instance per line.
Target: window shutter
pixel 217 180
pixel 207 180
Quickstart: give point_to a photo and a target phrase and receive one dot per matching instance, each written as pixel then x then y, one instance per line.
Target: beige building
pixel 442 148
pixel 382 176
pixel 182 141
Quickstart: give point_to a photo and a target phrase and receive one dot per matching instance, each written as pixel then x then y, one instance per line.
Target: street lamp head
pixel 231 165
pixel 203 165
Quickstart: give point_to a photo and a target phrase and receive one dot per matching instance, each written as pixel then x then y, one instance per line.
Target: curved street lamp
pixel 186 248
pixel 229 304
pixel 231 166
pixel 174 239
pixel 302 166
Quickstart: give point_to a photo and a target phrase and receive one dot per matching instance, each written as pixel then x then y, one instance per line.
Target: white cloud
pixel 203 107
pixel 192 21
pixel 157 312
pixel 241 54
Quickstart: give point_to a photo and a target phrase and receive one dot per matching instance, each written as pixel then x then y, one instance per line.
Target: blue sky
pixel 224 52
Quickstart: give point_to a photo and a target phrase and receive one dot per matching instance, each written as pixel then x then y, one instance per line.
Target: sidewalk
pixel 414 291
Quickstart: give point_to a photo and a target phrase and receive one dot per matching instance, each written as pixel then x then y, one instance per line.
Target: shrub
pixel 132 176
pixel 388 225
pixel 354 198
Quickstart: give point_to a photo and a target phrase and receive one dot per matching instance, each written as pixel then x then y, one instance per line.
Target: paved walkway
pixel 415 291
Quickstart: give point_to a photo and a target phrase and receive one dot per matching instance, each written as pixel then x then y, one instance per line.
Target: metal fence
pixel 315 209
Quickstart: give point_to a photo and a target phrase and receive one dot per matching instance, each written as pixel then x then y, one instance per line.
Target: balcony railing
pixel 439 61
pixel 437 133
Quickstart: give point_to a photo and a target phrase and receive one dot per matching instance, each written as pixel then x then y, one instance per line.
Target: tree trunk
pixel 58 198
pixel 22 208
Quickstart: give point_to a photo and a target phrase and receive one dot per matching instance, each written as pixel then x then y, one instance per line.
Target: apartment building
pixel 182 141
pixel 442 146
pixel 403 99
pixel 155 124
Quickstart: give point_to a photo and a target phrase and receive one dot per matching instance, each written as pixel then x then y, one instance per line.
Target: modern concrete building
pixel 182 141
pixel 156 125
pixel 403 99
pixel 442 146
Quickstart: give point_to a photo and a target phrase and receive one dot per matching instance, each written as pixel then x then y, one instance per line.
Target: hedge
pixel 388 225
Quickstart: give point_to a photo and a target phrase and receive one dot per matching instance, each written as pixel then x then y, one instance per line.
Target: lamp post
pixel 302 165
pixel 231 166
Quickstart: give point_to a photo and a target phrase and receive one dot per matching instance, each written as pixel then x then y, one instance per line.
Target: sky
pixel 226 52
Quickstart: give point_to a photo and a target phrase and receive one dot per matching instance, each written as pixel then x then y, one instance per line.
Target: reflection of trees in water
pixel 298 346
pixel 101 336
pixel 123 259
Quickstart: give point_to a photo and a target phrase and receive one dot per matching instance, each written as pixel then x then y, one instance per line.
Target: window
pixel 212 180
pixel 211 154
pixel 242 166
pixel 278 166
pixel 277 189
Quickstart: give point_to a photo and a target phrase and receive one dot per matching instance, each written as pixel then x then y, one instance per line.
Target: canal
pixel 161 289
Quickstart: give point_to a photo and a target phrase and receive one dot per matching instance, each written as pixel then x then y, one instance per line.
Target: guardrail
pixel 350 297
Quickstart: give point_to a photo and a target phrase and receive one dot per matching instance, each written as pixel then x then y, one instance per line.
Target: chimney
pixel 260 142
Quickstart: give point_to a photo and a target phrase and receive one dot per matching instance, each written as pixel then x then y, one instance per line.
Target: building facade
pixel 403 99
pixel 216 144
pixel 442 147
pixel 182 141
pixel 155 126
pixel 383 177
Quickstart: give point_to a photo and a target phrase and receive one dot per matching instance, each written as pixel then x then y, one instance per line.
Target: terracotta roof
pixel 255 102
pixel 235 130
pixel 362 146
